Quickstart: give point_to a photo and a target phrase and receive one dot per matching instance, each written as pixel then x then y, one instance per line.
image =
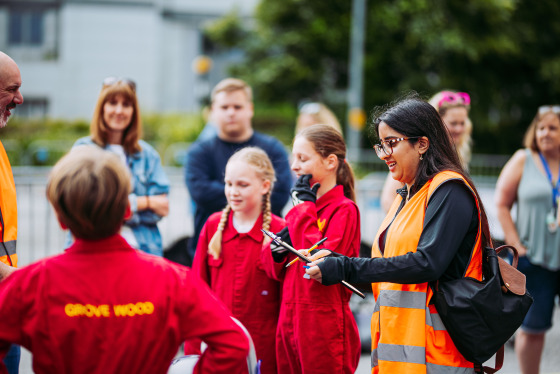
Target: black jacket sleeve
pixel 449 233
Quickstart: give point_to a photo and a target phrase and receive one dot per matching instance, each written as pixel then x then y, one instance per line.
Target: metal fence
pixel 39 234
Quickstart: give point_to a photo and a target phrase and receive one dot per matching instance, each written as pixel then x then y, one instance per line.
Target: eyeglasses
pixel 385 148
pixel 109 81
pixel 549 108
pixel 461 98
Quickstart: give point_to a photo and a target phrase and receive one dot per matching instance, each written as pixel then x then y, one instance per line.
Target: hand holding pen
pixel 314 246
pixel 279 241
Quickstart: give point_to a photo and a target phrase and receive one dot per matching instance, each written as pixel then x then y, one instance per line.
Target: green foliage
pixel 503 52
pixel 43 142
pixel 276 120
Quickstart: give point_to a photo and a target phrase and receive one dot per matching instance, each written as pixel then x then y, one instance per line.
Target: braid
pixel 215 245
pixel 267 215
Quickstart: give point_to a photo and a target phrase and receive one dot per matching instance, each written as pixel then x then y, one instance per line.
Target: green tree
pixel 503 52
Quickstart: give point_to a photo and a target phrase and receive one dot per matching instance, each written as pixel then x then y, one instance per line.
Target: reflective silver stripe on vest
pixel 434 320
pixel 10 247
pixel 402 299
pixel 440 369
pixel 414 355
pixel 374 360
pixel 398 353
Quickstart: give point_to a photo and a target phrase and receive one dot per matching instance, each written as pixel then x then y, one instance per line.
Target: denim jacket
pixel 148 178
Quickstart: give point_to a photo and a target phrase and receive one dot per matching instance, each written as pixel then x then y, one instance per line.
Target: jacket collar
pixel 109 244
pixel 231 233
pixel 334 194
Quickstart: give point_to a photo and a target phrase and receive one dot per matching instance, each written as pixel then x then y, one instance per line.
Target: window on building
pixel 26 27
pixel 33 107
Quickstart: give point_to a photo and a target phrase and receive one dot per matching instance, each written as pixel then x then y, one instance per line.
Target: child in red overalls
pixel 103 306
pixel 229 249
pixel 317 332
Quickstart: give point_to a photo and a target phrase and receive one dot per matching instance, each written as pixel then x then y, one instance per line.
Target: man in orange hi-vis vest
pixel 10 82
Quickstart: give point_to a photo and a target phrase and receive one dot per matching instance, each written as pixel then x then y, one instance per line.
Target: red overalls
pixel 317 332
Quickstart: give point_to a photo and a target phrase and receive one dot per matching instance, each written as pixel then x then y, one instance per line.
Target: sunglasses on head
pixel 310 108
pixel 448 97
pixel 109 81
pixel 549 108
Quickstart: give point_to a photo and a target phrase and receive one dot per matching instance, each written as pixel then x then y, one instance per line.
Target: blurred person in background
pixel 232 112
pixel 453 107
pixel 116 127
pixel 10 96
pixel 316 113
pixel 531 178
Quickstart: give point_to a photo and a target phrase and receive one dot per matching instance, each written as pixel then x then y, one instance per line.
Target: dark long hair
pixel 414 117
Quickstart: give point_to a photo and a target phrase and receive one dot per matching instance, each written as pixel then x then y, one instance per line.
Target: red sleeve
pixel 273 269
pixel 341 229
pixel 208 319
pixel 199 269
pixel 200 262
pixel 18 313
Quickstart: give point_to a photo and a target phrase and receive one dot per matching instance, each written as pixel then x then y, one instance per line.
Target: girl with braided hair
pixel 229 249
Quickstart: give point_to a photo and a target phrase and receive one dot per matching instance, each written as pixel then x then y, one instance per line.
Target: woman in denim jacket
pixel 116 127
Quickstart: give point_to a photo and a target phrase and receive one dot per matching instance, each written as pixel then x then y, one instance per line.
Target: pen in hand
pixel 315 246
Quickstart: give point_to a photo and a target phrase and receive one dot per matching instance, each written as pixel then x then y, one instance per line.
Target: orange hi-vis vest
pixel 407 334
pixel 8 211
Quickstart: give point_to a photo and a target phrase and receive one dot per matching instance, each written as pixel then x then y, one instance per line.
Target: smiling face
pixel 307 161
pixel 10 82
pixel 455 120
pixel 547 133
pixel 403 162
pixel 244 188
pixel 232 112
pixel 117 114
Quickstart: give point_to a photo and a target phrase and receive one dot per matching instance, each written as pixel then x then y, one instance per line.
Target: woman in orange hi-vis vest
pixel 435 230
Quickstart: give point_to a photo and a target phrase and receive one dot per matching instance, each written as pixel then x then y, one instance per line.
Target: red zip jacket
pixel 104 307
pixel 317 332
pixel 239 280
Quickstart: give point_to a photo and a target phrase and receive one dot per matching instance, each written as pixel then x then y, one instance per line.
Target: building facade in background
pixel 65 48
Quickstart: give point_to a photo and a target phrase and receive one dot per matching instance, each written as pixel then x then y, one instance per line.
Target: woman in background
pixel 116 127
pixel 531 179
pixel 453 107
pixel 316 113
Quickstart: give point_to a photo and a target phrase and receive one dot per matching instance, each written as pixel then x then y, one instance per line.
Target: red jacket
pixel 317 332
pixel 239 280
pixel 104 307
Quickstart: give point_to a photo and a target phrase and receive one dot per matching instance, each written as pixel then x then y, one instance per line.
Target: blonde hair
pixel 465 142
pixel 326 141
pixel 98 128
pixel 232 85
pixel 88 188
pixel 257 159
pixel 320 114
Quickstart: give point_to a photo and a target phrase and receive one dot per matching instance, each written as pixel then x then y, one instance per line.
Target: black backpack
pixel 480 316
